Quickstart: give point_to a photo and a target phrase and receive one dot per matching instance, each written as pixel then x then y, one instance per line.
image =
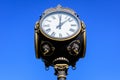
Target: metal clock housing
pixel 60 37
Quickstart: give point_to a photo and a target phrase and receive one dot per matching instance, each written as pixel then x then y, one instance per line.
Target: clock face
pixel 60 26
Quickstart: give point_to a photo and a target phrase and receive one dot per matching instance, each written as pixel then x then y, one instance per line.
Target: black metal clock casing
pixel 60 48
pixel 60 37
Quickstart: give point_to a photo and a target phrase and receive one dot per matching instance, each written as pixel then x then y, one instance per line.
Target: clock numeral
pixel 73 25
pixel 70 20
pixel 48 20
pixel 46 25
pixel 66 17
pixel 53 17
pixel 53 34
pixel 67 34
pixel 60 35
pixel 48 30
pixel 72 30
pixel 59 15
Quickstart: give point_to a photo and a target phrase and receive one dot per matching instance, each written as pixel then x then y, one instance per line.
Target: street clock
pixel 60 39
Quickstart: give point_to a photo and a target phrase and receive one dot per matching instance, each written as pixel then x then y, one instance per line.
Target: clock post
pixel 60 39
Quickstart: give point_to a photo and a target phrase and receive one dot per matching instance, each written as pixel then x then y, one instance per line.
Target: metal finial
pixel 59 6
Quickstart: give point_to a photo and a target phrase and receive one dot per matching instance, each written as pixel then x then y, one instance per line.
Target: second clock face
pixel 60 26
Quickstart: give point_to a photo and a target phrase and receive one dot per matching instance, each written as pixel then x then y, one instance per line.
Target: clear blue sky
pixel 17 56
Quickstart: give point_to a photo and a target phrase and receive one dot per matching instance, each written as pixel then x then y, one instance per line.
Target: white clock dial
pixel 60 25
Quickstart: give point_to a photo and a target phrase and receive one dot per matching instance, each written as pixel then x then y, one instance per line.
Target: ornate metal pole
pixel 61 71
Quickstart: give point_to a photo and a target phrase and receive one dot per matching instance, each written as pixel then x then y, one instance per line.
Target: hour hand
pixel 63 22
pixel 60 25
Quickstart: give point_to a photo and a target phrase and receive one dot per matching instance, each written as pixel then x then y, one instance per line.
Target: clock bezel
pixel 61 10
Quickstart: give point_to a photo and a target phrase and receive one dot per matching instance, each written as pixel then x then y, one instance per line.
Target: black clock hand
pixel 59 22
pixel 62 24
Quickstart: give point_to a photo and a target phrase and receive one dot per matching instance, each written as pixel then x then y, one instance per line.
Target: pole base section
pixel 61 71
